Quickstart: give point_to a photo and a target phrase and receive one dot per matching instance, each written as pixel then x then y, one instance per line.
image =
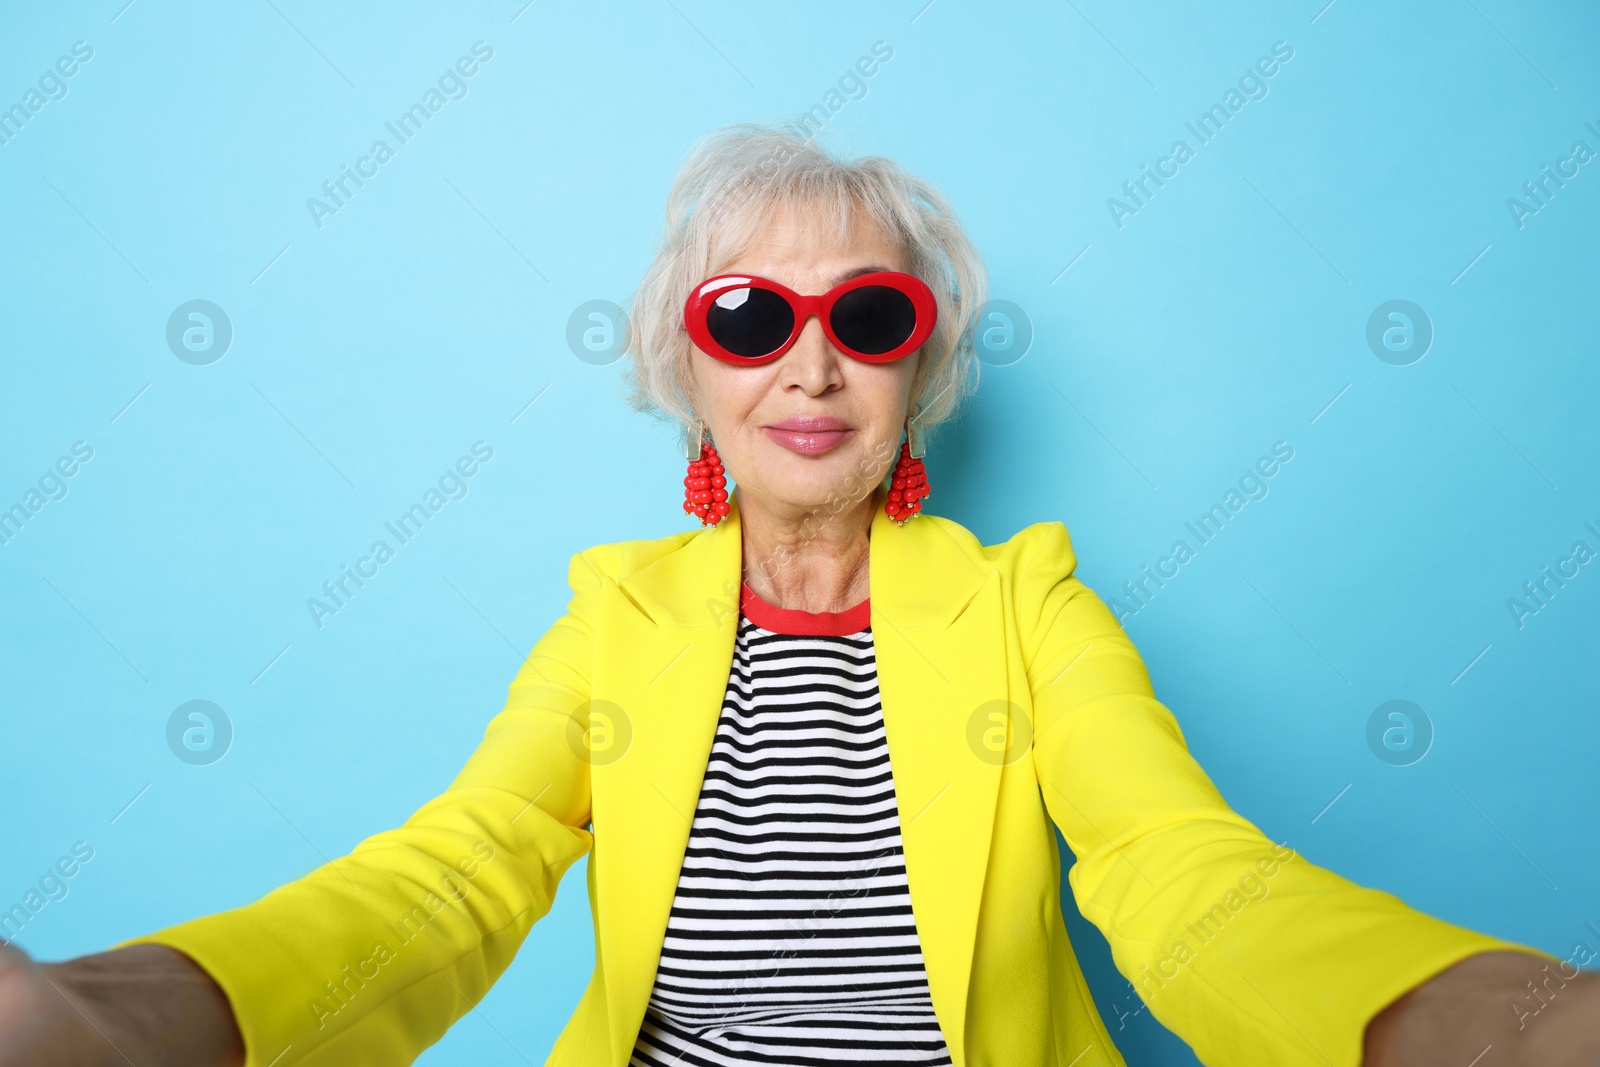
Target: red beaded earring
pixel 910 481
pixel 705 488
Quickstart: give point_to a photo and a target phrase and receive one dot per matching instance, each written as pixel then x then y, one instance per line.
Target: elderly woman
pixel 818 747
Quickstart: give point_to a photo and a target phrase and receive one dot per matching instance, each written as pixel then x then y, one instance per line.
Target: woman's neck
pixel 807 559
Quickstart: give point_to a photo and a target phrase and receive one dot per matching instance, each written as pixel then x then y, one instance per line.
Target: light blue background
pixel 1229 313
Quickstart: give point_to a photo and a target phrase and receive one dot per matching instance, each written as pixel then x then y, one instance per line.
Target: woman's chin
pixel 817 493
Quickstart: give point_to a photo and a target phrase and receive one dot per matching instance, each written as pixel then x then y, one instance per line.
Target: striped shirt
pixel 791 939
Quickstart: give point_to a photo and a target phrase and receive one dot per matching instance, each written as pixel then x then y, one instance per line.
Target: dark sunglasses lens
pixel 750 322
pixel 874 319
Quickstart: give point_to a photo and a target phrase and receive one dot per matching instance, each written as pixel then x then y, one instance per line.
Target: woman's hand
pixel 1482 1012
pixel 141 1004
pixel 32 1028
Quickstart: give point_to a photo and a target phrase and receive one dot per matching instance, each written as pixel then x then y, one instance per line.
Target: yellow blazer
pixel 1013 703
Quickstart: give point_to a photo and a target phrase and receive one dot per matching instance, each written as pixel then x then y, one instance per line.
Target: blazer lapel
pixel 666 646
pixel 938 630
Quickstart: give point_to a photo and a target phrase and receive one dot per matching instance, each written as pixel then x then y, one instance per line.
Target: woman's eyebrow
pixel 855 273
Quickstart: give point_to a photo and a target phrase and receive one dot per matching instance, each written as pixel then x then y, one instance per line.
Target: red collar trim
pixel 804 623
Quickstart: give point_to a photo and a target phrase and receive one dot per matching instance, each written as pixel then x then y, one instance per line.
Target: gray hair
pixel 717 208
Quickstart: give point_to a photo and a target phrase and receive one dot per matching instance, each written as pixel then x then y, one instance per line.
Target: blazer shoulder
pixel 1034 549
pixel 618 559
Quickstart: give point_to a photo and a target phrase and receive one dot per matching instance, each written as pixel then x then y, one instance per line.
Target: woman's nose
pixel 813 362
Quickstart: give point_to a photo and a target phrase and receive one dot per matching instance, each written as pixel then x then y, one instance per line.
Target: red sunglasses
pixel 745 320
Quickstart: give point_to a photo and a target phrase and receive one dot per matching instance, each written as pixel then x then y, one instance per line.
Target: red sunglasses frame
pixel 706 293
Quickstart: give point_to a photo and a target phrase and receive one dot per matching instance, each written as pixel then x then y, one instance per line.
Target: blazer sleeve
pixel 370 958
pixel 1245 949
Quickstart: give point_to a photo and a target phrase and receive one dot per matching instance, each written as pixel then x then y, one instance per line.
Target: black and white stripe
pixel 791 939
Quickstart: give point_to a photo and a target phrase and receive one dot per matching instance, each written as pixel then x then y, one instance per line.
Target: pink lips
pixel 809 435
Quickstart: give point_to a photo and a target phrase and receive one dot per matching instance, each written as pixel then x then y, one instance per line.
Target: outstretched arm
pixel 1498 1009
pixel 371 958
pixel 1245 949
pixel 141 1004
